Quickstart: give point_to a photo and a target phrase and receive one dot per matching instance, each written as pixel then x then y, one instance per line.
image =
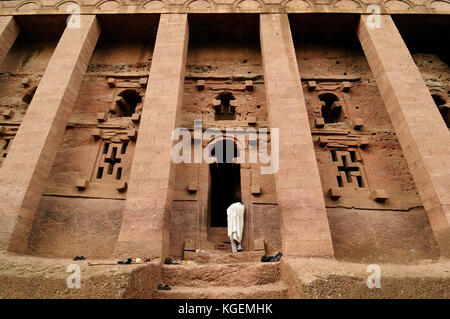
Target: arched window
pixel 225 110
pixel 127 101
pixel 331 107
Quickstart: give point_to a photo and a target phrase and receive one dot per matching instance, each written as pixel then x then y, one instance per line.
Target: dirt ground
pixel 319 278
pixel 34 277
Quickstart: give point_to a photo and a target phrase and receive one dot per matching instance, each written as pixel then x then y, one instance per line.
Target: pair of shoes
pixel 266 259
pixel 125 261
pixel 166 287
pixel 79 258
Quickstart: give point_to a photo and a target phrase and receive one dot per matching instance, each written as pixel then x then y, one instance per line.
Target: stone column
pixel 303 217
pixel 9 31
pixel 30 158
pixel 146 220
pixel 424 137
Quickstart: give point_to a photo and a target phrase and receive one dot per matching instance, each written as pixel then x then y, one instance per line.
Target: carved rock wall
pixel 97 150
pixel 20 74
pixel 81 210
pixel 224 54
pixel 359 156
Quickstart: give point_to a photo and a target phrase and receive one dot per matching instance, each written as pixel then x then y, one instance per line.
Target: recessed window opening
pixel 132 98
pixel 331 108
pixel 225 111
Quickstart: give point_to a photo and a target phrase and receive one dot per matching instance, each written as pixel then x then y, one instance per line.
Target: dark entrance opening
pixel 225 181
pixel 225 190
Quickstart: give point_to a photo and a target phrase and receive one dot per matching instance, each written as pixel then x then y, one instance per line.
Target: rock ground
pixel 35 277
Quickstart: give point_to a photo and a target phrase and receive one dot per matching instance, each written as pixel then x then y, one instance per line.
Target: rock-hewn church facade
pixel 92 91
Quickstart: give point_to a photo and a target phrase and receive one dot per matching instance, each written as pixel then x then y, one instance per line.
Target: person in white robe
pixel 235 215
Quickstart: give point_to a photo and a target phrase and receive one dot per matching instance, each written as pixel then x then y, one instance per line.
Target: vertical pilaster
pixel 146 220
pixel 303 217
pixel 422 133
pixel 32 153
pixel 9 31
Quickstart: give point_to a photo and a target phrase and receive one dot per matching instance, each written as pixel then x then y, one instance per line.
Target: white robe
pixel 235 214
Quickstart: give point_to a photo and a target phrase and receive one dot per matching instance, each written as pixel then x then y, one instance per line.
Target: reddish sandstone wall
pixel 382 236
pixel 266 225
pixel 224 66
pixel 26 61
pixel 69 227
pixel 71 222
pixel 362 229
pixel 183 225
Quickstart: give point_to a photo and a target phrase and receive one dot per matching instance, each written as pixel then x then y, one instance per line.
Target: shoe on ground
pixel 79 258
pixel 125 261
pixel 277 257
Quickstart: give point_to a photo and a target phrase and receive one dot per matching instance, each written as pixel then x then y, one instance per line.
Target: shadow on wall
pixel 382 236
pixel 68 227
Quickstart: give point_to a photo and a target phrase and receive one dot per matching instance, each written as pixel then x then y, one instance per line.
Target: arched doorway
pixel 225 187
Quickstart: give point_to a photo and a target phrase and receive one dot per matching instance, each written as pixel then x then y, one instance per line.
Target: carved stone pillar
pixel 32 153
pixel 9 31
pixel 424 137
pixel 146 220
pixel 303 217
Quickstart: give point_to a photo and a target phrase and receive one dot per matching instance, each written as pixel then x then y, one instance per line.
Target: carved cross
pixel 112 160
pixel 349 172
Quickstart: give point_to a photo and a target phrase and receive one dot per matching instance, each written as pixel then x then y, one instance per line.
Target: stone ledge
pixel 26 7
pixel 328 278
pixel 35 277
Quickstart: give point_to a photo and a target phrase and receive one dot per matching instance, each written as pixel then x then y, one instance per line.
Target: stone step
pixel 218 234
pixel 224 246
pixel 234 274
pixel 223 257
pixel 277 290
